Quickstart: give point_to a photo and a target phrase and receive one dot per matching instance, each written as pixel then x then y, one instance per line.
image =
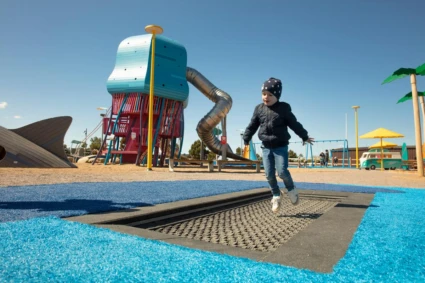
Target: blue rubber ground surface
pixel 64 200
pixel 388 246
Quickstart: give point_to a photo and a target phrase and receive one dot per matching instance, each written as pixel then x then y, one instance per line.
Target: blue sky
pixel 55 58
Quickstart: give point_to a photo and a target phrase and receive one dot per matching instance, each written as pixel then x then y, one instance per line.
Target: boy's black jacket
pixel 274 122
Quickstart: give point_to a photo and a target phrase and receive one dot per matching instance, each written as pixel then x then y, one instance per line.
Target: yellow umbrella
pixel 385 144
pixel 381 133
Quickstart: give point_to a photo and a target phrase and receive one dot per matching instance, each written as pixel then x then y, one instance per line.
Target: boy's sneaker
pixel 293 196
pixel 276 204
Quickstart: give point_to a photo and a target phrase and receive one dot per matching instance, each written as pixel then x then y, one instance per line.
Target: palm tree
pixel 401 73
pixel 421 95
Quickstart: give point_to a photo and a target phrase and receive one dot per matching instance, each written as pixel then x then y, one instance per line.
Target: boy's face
pixel 268 98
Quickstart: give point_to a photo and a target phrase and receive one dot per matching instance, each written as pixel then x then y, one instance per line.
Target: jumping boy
pixel 273 118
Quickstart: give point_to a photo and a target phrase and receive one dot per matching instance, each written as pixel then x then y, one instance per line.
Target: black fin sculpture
pixel 37 145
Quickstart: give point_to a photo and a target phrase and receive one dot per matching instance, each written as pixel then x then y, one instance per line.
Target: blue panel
pixel 132 67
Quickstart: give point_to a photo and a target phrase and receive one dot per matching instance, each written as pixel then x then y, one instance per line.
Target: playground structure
pixel 249 151
pixel 381 133
pixel 75 152
pixel 345 162
pixel 37 145
pixel 126 128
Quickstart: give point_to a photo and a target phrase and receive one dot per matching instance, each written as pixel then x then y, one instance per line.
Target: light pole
pixel 357 135
pixel 101 128
pixel 154 30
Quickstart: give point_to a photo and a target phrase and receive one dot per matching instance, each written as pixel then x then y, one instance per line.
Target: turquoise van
pixel 372 160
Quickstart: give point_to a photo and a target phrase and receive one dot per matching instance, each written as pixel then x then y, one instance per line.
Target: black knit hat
pixel 274 86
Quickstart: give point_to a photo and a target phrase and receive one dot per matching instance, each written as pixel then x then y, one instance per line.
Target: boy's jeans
pixel 277 159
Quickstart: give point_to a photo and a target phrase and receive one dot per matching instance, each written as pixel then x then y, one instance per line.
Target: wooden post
pixel 201 153
pixel 224 141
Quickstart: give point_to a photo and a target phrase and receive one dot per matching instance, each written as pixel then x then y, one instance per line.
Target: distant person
pixel 335 161
pixel 322 158
pixel 273 118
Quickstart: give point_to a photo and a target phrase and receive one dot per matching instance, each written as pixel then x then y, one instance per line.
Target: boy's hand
pixel 309 140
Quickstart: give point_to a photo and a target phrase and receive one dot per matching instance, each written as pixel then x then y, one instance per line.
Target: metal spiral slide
pixel 223 103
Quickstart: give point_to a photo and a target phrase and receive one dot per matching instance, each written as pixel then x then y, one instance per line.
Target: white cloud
pixel 3 105
pixel 17 117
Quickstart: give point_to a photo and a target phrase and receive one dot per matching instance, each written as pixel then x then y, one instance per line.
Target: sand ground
pixel 129 172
